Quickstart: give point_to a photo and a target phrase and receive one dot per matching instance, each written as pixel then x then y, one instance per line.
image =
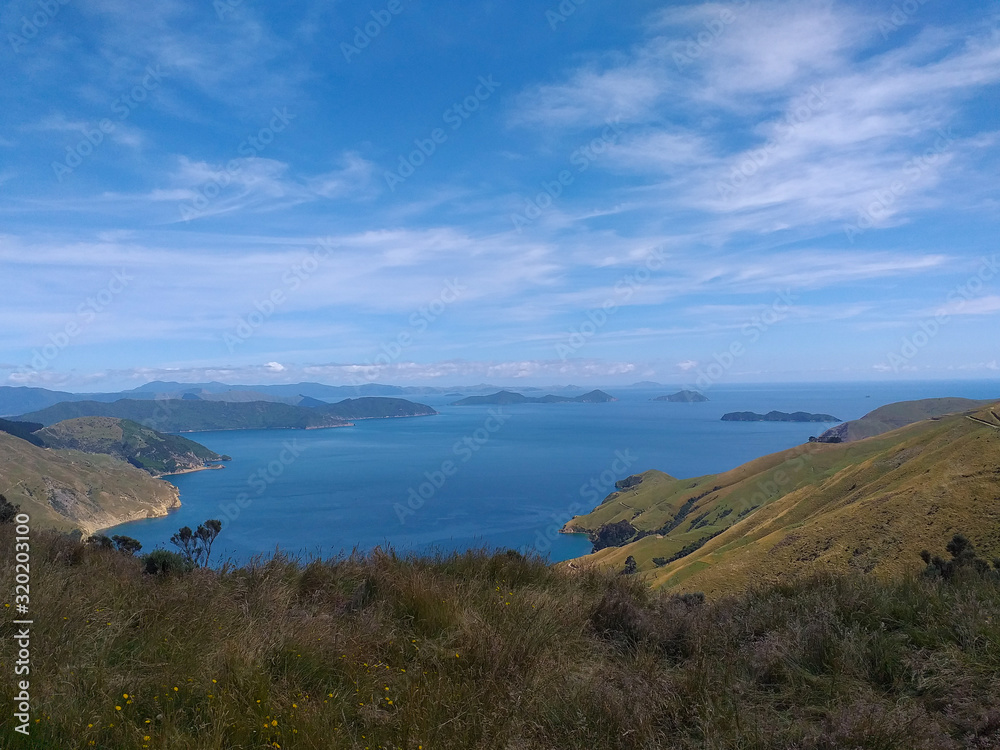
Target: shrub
pixel 8 511
pixel 163 562
pixel 963 559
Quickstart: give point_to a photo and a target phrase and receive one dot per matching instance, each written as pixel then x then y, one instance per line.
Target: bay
pixel 487 476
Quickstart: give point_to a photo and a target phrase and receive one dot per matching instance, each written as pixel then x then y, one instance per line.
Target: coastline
pixel 213 467
pixel 139 515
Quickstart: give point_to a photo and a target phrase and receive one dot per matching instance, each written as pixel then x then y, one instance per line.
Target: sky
pixel 507 192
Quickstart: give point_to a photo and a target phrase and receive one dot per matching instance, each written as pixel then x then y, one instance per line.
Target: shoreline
pixel 213 467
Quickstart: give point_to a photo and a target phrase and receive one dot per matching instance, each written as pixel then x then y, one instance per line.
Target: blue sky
pixel 528 192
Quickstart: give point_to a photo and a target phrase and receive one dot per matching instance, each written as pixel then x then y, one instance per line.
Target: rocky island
pixel 776 416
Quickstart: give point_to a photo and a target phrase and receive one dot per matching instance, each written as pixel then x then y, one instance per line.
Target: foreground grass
pixel 493 651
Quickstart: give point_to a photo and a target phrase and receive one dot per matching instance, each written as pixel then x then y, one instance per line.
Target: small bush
pixel 8 511
pixel 161 562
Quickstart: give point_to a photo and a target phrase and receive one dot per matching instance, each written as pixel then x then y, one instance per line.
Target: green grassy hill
pixel 140 446
pixel 869 505
pixel 66 489
pixel 893 416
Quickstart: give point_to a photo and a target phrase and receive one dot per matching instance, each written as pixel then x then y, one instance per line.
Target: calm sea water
pixel 464 479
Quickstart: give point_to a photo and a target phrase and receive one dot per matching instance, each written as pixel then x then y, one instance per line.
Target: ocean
pixel 486 476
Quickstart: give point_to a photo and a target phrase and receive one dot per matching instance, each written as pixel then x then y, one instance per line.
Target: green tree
pixel 631 567
pixel 126 544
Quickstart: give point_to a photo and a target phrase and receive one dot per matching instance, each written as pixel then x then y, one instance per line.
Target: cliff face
pixel 66 489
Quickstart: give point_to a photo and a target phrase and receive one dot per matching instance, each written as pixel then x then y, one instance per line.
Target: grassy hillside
pixel 73 490
pixel 893 416
pixel 480 652
pixel 870 506
pixel 140 446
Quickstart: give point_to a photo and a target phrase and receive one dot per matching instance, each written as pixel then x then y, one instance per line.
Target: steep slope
pixel 870 505
pixel 894 416
pixel 23 430
pixel 140 446
pixel 72 490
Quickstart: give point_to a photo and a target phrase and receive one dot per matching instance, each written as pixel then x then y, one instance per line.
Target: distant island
pixel 776 416
pixel 195 415
pixel 685 397
pixel 502 398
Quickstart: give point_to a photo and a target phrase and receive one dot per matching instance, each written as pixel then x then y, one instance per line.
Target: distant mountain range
pixel 868 505
pixel 195 415
pixel 510 397
pixel 22 399
pixel 776 416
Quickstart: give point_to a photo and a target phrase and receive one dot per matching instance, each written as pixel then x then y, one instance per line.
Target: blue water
pixel 324 492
